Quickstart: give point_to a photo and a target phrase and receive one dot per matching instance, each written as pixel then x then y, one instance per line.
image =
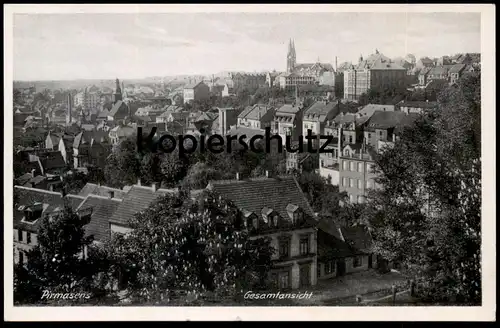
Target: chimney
pixel 237 176
pixel 154 186
pixel 138 182
pixel 268 175
pixel 111 194
pixel 33 172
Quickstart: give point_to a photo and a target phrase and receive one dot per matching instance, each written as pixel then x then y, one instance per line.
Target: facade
pixel 288 121
pixel 87 100
pixel 377 71
pixel 316 116
pixel 329 163
pixel 31 206
pixel 257 117
pixel 382 127
pixel 195 92
pixel 271 78
pixel 277 208
pixel 289 80
pixel 357 177
pixel 248 80
pixel 118 133
pixel 456 72
pixel 90 149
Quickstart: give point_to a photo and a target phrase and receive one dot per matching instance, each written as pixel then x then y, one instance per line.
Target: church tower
pixel 291 59
pixel 118 92
pixel 69 109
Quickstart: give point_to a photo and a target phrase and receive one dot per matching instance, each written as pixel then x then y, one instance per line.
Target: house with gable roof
pixel 277 208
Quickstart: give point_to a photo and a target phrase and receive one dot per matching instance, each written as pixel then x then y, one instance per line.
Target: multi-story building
pixel 91 149
pixel 288 121
pixel 277 208
pixel 356 175
pixel 423 75
pixel 376 72
pixel 381 127
pixel 316 116
pixel 289 80
pixel 196 91
pixel 30 207
pixel 456 72
pixel 271 78
pixel 257 116
pixel 329 163
pixel 248 80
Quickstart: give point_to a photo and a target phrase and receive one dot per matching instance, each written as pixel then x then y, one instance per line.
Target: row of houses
pixel 306 248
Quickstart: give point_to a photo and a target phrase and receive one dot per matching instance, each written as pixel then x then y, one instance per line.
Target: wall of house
pixel 322 270
pixel 325 172
pixel 311 125
pixel 293 264
pixel 23 245
pixel 349 267
pixel 356 172
pixel 201 92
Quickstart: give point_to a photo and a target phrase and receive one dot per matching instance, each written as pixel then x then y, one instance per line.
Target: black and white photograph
pixel 310 162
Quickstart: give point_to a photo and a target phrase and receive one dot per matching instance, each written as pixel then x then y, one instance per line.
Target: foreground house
pixel 277 208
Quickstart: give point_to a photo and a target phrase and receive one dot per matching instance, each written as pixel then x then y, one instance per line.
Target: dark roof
pixel 90 137
pixel 457 68
pixel 387 120
pixel 50 202
pixel 330 247
pixel 419 104
pixel 192 85
pixel 255 194
pixel 358 237
pixel 117 107
pixel 54 161
pixel 138 198
pixel 93 189
pixel 329 226
pixel 102 210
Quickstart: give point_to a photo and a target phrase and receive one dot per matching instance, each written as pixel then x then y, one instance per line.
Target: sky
pixel 105 46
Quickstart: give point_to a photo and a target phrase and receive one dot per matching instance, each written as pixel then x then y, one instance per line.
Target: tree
pixel 55 263
pixel 427 214
pixel 177 245
pixel 18 97
pixel 123 166
pixel 199 175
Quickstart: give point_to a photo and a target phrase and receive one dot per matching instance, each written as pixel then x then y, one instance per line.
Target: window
pixel 284 280
pixel 304 245
pixel 380 133
pixel 353 166
pixel 357 261
pixel 369 135
pixel 21 257
pixel 284 248
pixel 28 237
pixel 19 235
pixel 330 267
pixel 345 165
pixel 322 163
pixel 369 168
pixel 360 184
pixel 351 198
pixel 360 199
pixel 351 183
pixel 344 181
pixel 360 167
pixel 275 220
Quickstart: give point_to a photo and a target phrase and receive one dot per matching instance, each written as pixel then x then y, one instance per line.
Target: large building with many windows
pixel 376 71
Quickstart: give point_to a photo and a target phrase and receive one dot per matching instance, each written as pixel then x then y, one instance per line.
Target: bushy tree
pixel 56 262
pixel 427 215
pixel 177 245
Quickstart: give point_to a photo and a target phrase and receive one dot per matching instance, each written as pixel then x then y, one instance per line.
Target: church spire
pixel 118 92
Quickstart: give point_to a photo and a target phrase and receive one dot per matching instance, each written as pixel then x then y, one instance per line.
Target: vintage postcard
pixel 241 162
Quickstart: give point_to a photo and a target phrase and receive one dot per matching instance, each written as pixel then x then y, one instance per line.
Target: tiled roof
pixel 358 237
pixel 89 137
pixel 255 194
pixel 319 111
pixel 419 104
pixel 366 112
pixel 345 118
pixel 439 70
pixel 192 85
pixel 93 189
pixel 102 210
pixel 51 201
pixel 456 68
pixel 119 105
pixel 54 161
pixel 123 131
pixel 137 199
pixel 252 112
pixel 386 120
